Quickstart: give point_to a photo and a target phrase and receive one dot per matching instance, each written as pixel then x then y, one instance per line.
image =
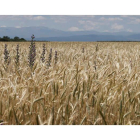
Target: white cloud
pixel 92 16
pixel 129 30
pixel 14 17
pixel 113 19
pixel 59 19
pixel 80 16
pixel 102 18
pixel 88 22
pixel 124 16
pixel 110 19
pixel 3 26
pixel 17 26
pixel 21 17
pixel 82 21
pixel 71 18
pixel 135 21
pixel 89 25
pixel 92 23
pixel 74 29
pixel 117 26
pixel 39 18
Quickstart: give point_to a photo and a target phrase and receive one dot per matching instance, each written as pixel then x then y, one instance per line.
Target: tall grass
pixel 100 86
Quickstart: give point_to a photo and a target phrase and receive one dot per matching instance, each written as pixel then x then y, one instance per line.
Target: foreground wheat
pixel 94 86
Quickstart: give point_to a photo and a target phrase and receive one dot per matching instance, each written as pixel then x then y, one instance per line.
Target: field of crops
pixel 79 83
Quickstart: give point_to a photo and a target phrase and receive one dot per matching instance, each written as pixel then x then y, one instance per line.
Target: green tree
pixel 22 39
pixel 16 38
pixel 6 38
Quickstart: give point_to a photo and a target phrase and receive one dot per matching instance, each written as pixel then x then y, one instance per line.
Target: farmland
pixel 77 83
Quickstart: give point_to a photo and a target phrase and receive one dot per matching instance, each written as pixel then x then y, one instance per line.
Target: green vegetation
pixel 16 39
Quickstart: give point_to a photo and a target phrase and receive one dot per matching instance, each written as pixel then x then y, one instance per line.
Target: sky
pixel 102 23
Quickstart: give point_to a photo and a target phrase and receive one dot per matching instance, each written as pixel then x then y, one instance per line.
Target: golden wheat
pixel 99 84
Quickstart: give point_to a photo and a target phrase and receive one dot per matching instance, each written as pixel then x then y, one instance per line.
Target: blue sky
pixel 101 23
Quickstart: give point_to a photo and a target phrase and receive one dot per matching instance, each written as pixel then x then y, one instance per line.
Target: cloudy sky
pixel 101 23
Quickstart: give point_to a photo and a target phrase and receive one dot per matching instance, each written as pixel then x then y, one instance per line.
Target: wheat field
pixel 88 85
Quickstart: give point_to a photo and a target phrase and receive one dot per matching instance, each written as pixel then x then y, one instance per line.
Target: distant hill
pixel 47 34
pixel 26 32
pixel 93 38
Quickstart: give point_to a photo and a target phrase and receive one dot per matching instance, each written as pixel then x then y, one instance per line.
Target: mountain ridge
pixel 47 34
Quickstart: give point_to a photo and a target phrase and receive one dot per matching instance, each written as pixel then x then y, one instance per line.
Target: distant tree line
pixel 118 41
pixel 16 38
